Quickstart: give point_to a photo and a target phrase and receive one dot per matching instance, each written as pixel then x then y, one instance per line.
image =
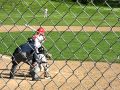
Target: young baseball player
pixel 39 57
pixel 45 13
pixel 39 38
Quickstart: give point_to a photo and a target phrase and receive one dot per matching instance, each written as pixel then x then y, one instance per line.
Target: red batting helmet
pixel 41 31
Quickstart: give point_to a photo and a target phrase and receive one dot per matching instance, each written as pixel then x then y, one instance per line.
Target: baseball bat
pixel 30 27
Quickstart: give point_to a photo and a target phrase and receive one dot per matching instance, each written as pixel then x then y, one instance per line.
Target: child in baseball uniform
pixel 39 57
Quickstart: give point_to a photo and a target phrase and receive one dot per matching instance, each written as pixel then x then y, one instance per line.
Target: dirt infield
pixel 65 76
pixel 12 28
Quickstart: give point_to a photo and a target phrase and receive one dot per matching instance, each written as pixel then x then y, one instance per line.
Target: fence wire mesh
pixel 82 37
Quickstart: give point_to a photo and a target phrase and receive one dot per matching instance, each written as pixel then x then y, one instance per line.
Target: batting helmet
pixel 41 31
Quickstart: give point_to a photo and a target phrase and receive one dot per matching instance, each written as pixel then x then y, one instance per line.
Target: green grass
pixel 95 46
pixel 60 13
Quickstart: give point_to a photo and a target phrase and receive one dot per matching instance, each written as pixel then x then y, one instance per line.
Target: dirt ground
pixel 12 28
pixel 64 75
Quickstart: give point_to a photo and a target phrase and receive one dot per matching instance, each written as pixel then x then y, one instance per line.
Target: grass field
pixel 60 13
pixel 63 45
pixel 104 46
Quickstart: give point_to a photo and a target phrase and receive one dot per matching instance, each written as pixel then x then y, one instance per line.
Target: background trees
pixel 112 3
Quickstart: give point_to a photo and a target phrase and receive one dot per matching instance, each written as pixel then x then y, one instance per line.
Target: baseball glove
pixel 48 55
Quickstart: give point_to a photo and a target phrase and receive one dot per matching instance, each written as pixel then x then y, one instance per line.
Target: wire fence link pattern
pixel 83 39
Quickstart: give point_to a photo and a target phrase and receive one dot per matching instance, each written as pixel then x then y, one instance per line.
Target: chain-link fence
pixel 82 39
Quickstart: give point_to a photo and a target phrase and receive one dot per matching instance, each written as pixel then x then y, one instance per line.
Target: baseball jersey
pixel 38 41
